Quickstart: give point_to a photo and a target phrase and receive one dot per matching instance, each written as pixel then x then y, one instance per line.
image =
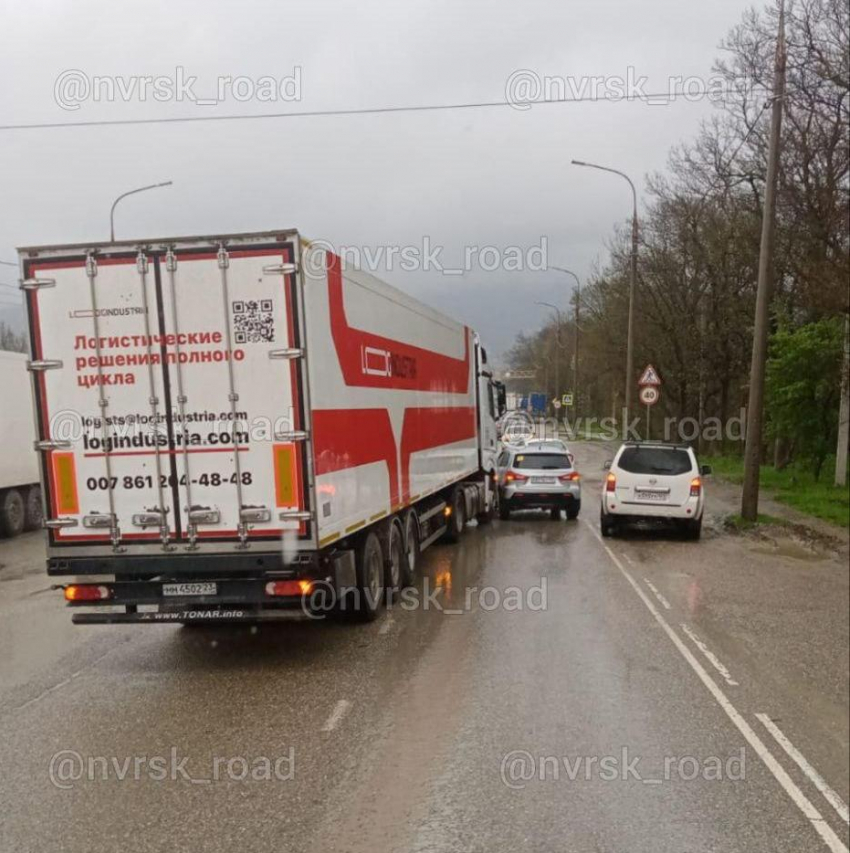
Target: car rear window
pixel 655 460
pixel 542 460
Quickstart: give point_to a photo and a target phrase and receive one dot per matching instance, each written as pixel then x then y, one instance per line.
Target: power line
pixel 8 264
pixel 522 106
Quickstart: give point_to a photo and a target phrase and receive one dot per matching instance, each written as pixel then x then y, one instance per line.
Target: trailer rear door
pixel 168 382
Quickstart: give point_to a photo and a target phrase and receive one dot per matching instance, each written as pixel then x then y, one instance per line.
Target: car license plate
pixel 547 481
pixel 646 495
pixel 172 589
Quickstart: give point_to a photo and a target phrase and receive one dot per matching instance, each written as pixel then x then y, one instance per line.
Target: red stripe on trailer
pixel 418 369
pixel 346 438
pixel 424 429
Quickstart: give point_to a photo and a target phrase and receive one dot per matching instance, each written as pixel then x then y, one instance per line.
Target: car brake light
pixel 696 487
pixel 281 589
pixel 87 592
pixel 611 483
pixel 573 475
pixel 513 476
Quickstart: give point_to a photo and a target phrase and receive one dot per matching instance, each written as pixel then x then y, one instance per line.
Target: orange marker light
pixel 87 592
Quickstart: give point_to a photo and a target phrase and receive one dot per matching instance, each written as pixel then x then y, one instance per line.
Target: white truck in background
pixel 20 494
pixel 231 428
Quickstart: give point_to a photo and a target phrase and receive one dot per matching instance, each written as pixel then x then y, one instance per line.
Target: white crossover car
pixel 654 481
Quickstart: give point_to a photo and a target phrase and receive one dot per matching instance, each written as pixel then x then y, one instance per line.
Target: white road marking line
pixel 657 593
pixel 832 841
pixel 388 624
pixel 797 757
pixel 629 560
pixel 712 658
pixel 340 710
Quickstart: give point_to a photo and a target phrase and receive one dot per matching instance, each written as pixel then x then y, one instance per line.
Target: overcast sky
pixel 487 177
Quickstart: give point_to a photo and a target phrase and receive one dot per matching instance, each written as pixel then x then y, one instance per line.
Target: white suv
pixel 653 481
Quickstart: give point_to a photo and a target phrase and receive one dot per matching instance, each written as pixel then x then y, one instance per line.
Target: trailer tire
pixel 457 517
pixel 33 512
pixel 410 563
pixel 12 513
pixel 395 558
pixel 369 564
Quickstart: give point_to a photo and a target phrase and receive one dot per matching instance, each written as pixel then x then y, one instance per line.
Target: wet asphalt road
pixel 546 694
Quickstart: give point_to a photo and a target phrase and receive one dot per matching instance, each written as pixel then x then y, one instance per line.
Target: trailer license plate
pixel 172 589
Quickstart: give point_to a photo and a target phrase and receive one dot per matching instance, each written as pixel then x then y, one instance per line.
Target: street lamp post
pixel 123 196
pixel 557 342
pixel 632 281
pixel 575 342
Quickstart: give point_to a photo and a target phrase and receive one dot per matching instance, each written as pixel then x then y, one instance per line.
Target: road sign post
pixel 650 392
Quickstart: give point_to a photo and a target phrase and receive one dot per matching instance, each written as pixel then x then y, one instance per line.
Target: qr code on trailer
pixel 253 321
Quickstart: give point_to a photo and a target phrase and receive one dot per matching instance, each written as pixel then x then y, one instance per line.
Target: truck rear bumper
pixel 304 591
pixel 197 615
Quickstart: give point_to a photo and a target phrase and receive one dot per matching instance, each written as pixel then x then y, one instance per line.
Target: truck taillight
pixel 611 483
pixel 87 592
pixel 283 589
pixel 696 487
pixel 515 477
pixel 573 476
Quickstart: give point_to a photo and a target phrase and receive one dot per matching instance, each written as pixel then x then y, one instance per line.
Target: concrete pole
pixel 755 407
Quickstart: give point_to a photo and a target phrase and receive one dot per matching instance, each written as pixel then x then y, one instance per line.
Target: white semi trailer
pixel 229 424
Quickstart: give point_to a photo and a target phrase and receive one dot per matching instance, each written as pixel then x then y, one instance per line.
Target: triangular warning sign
pixel 649 376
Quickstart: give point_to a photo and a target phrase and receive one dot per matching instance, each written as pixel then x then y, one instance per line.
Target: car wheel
pixel 694 529
pixel 369 565
pixel 504 509
pixel 457 518
pixel 410 563
pixel 490 513
pixel 555 514
pixel 12 513
pixel 606 525
pixel 33 512
pixel 573 511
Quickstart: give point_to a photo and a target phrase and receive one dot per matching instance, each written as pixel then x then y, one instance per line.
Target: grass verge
pixel 795 487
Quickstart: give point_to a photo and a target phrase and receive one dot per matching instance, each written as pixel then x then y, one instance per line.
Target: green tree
pixel 803 382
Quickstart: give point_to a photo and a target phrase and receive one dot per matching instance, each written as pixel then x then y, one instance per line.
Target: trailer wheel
pixel 410 563
pixel 393 569
pixel 457 516
pixel 370 578
pixel 12 513
pixel 33 513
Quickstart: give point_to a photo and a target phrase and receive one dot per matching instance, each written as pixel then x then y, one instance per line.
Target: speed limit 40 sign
pixel 650 395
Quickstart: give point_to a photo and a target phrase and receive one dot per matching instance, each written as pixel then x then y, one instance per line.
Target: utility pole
pixel 755 407
pixel 844 411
